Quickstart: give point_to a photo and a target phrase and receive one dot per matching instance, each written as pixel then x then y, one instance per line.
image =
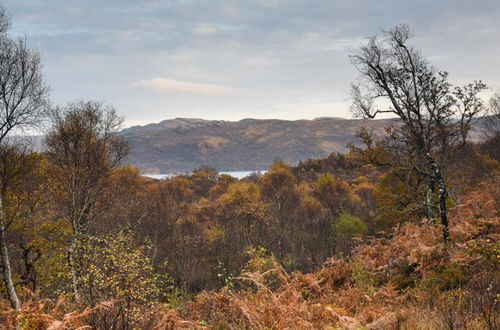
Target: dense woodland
pixel 400 232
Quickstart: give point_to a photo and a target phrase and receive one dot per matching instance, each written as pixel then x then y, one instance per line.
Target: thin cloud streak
pixel 178 86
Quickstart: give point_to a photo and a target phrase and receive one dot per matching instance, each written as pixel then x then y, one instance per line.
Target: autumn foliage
pixel 407 280
pixel 334 242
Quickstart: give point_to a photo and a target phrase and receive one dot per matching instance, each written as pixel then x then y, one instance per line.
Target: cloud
pixel 273 53
pixel 204 29
pixel 178 86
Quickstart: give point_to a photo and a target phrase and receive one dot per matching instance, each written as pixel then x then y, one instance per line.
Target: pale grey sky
pixel 161 59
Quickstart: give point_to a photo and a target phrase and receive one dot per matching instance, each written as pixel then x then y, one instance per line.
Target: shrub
pixel 347 227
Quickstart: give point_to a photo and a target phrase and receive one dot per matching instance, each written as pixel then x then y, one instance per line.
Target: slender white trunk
pixel 443 195
pixel 428 201
pixel 7 273
pixel 74 267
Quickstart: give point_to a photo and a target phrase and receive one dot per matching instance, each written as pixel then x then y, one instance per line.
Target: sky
pixel 228 60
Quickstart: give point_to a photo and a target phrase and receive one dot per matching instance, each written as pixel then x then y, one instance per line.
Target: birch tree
pixel 84 146
pixel 23 101
pixel 492 126
pixel 433 117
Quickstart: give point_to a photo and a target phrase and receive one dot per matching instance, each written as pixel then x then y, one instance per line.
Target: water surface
pixel 236 174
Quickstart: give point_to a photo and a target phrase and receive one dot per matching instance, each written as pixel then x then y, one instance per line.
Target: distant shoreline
pixel 235 174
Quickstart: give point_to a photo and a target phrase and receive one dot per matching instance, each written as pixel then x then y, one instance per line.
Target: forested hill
pixel 183 144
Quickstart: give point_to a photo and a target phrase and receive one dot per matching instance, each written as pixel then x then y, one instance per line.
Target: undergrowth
pixel 409 280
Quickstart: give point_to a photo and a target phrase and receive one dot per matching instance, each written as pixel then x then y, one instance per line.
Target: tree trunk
pixel 428 201
pixel 7 273
pixel 443 195
pixel 74 266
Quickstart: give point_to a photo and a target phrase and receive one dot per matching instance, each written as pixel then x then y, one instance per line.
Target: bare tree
pixel 85 148
pixel 23 100
pixel 434 118
pixel 492 125
pixel 23 94
pixel 4 21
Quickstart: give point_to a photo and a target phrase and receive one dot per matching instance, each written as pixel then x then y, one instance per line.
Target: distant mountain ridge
pixel 183 144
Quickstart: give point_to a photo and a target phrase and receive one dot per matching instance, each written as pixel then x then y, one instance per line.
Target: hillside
pixel 183 144
pixel 408 280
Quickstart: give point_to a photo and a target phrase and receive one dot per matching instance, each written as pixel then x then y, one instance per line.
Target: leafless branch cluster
pixel 493 121
pixel 23 93
pixel 435 114
pixel 4 21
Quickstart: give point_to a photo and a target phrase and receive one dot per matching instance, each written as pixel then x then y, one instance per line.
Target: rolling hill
pixel 183 144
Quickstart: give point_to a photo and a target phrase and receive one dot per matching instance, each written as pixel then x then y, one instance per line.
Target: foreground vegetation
pixel 335 242
pixel 406 280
